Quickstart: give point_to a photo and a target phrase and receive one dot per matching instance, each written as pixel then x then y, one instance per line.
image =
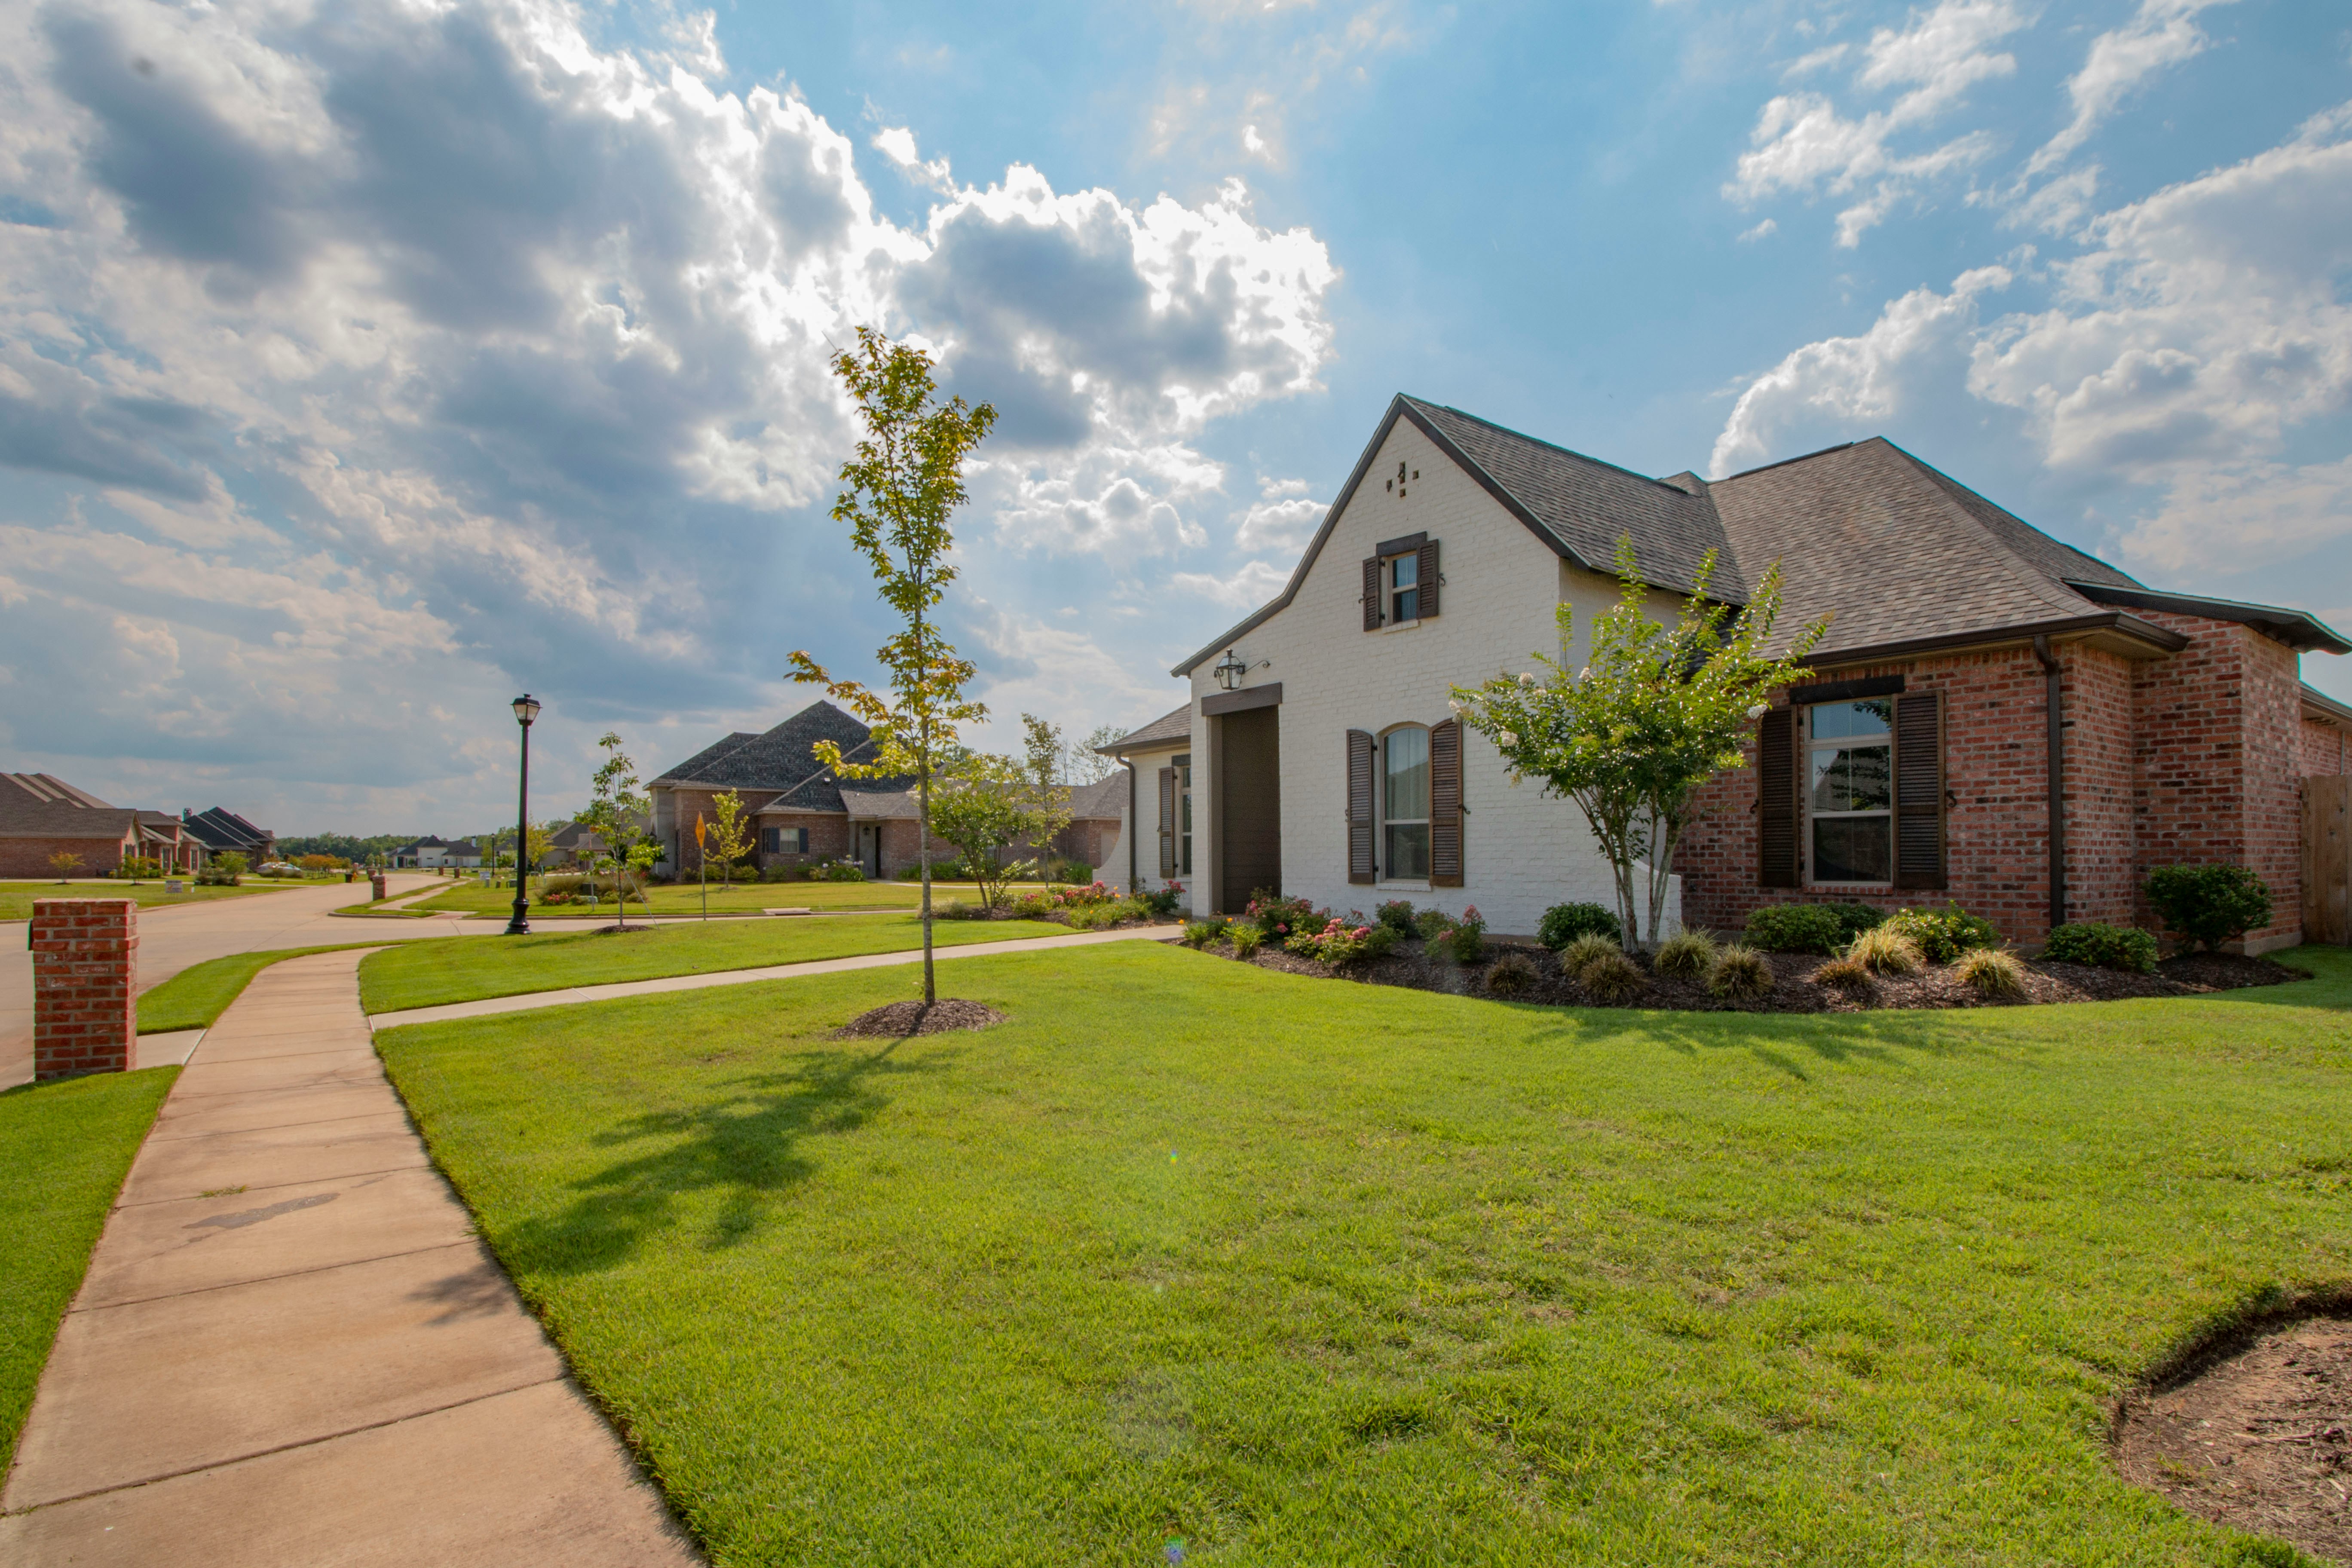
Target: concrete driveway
pixel 181 936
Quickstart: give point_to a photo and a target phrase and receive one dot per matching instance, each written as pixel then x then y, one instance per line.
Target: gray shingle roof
pixel 780 762
pixel 1589 505
pixel 1893 550
pixel 1101 801
pixel 41 805
pixel 1176 724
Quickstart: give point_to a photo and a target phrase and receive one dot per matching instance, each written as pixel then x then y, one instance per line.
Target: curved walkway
pixel 529 1000
pixel 291 1348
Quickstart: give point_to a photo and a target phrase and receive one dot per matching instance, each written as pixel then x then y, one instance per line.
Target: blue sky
pixel 360 366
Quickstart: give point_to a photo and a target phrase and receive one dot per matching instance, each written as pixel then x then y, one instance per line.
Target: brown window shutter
pixel 1359 807
pixel 1167 823
pixel 1372 592
pixel 1446 805
pixel 1919 790
pixel 1428 579
pixel 1776 800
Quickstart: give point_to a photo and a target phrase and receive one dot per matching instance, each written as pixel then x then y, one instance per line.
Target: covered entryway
pixel 869 849
pixel 1249 795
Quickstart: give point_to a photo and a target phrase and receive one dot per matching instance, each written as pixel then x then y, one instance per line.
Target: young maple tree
pixel 901 485
pixel 616 808
pixel 1655 712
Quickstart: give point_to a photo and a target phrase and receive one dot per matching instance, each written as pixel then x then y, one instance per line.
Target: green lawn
pixel 744 898
pixel 1303 1272
pixel 64 1148
pixel 16 898
pixel 201 993
pixel 463 969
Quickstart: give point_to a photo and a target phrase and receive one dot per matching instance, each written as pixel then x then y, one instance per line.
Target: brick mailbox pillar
pixel 85 986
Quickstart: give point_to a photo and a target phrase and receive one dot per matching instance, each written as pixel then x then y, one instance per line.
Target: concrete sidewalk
pixel 535 999
pixel 291 1349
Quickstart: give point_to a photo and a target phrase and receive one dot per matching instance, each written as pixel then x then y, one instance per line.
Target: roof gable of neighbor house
pixel 1174 725
pixel 38 805
pixel 781 760
pixel 1101 801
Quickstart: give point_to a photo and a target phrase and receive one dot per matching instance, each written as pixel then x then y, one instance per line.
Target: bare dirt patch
pixel 900 1019
pixel 1794 989
pixel 2261 1441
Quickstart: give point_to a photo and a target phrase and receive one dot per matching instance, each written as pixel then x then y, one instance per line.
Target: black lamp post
pixel 526 708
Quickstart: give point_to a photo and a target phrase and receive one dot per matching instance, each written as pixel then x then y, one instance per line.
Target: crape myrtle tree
pixel 1633 735
pixel 901 487
pixel 983 804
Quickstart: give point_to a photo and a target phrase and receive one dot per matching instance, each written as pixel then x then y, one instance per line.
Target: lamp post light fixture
pixel 526 708
pixel 1229 671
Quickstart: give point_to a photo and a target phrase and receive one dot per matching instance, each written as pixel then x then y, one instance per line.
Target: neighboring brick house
pixel 222 831
pixel 801 813
pixel 1966 652
pixel 42 817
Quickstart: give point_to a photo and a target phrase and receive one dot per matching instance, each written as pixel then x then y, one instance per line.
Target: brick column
pixel 85 986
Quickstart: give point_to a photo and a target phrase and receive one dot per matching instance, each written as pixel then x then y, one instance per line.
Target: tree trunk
pixel 923 851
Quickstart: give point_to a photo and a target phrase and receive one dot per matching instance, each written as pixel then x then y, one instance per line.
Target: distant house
pixel 575 844
pixel 430 853
pixel 41 815
pixel 802 814
pixel 222 831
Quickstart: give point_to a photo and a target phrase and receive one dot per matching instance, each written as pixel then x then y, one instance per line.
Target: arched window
pixel 1405 804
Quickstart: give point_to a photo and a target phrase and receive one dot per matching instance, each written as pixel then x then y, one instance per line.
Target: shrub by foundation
pixel 1246 939
pixel 1686 953
pixel 2208 905
pixel 1588 948
pixel 2105 946
pixel 1796 928
pixel 1883 950
pixel 1613 977
pixel 1200 933
pixel 1511 974
pixel 1992 971
pixel 1942 935
pixel 1563 924
pixel 1740 972
pixel 1397 915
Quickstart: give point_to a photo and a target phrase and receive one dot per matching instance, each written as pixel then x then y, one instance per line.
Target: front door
pixel 869 849
pixel 1249 805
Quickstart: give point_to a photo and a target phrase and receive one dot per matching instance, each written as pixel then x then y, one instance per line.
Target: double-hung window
pixel 1850 790
pixel 1403 574
pixel 1405 804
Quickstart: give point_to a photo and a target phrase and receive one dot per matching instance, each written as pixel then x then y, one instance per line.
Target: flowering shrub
pixel 1337 942
pixel 837 871
pixel 1461 938
pixel 1279 918
pixel 1163 901
pixel 1397 915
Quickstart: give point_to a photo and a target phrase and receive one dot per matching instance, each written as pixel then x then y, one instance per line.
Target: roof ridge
pixel 1784 462
pixel 1547 446
pixel 2052 591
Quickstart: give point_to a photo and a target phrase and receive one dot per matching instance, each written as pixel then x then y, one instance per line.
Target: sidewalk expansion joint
pixel 426 1162
pixel 289 1274
pixel 290 1447
pixel 160 1137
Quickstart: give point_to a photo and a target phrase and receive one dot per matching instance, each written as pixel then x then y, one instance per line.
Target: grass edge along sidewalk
pixel 196 997
pixel 436 973
pixel 1302 1272
pixel 18 896
pixel 675 898
pixel 65 1148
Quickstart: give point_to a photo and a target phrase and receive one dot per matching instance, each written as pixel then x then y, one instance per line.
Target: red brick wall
pixel 829 838
pixel 85 986
pixel 2217 754
pixel 2102 866
pixel 29 858
pixel 2326 750
pixel 1997 837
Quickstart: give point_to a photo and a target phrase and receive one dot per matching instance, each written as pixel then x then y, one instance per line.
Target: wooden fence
pixel 2327 866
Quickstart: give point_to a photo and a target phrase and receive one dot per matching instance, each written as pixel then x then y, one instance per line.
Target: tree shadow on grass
pixel 744 1142
pixel 1787 1042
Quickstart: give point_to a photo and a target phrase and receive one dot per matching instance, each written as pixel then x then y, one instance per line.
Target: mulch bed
pixel 901 1019
pixel 2261 1441
pixel 1794 990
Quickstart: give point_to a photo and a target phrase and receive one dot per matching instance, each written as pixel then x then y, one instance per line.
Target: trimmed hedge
pixel 2209 904
pixel 2107 946
pixel 1563 924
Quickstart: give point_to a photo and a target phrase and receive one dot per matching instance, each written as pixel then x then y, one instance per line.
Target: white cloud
pixel 1853 384
pixel 1764 230
pixel 1246 588
pixel 1280 521
pixel 2180 353
pixel 1801 143
pixel 548 415
pixel 2162 32
pixel 898 145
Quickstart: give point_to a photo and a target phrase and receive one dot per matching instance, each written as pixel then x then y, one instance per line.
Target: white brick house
pixel 1250 786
